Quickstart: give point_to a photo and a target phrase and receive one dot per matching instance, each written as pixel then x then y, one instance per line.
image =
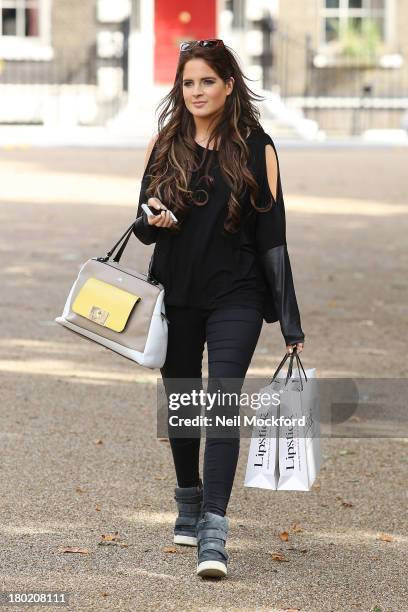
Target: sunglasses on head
pixel 207 44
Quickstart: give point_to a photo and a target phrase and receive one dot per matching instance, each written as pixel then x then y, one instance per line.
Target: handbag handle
pixel 289 374
pixel 125 237
pixel 118 255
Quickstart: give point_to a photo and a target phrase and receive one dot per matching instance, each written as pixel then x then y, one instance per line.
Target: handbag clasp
pixel 99 315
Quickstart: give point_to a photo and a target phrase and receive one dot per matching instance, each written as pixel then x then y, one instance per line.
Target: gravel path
pixel 79 454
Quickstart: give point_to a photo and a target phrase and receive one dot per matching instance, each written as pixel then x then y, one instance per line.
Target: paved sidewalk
pixel 79 453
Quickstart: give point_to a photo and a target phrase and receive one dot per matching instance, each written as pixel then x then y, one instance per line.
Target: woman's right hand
pixel 162 220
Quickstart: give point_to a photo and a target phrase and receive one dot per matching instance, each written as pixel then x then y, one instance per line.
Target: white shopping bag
pixel 262 464
pixel 299 445
pixel 287 457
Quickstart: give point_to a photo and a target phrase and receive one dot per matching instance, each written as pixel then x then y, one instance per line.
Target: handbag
pixel 119 308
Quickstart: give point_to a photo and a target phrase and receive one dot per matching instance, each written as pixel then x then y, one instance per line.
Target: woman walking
pixel 224 265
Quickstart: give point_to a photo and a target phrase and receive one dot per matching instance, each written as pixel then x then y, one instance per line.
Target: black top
pixel 200 266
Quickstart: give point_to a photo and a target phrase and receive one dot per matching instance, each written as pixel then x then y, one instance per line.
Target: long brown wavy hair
pixel 175 159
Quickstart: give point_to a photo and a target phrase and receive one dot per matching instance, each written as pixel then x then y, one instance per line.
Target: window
pixel 342 15
pixel 25 29
pixel 19 18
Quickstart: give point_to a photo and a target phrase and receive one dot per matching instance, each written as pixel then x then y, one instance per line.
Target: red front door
pixel 175 21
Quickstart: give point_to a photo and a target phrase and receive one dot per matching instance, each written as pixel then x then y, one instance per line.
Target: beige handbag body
pixel 119 308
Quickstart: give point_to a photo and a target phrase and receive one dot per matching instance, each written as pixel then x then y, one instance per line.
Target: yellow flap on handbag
pixel 105 304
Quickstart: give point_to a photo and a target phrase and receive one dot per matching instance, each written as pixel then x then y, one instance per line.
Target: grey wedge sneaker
pixel 189 502
pixel 212 531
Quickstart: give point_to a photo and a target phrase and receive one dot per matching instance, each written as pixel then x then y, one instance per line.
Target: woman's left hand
pixel 299 347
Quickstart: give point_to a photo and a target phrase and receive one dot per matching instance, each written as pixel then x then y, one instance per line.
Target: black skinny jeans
pixel 231 334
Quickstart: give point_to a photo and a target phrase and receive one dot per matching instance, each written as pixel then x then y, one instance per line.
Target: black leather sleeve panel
pixel 278 272
pixel 273 252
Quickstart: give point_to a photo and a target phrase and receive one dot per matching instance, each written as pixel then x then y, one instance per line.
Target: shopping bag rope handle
pixel 289 374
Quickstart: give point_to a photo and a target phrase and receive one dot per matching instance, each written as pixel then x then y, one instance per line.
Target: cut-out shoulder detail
pixel 267 163
pixel 272 171
pixel 271 224
pixel 149 151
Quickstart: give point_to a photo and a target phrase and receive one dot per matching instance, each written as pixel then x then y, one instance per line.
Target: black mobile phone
pixel 154 211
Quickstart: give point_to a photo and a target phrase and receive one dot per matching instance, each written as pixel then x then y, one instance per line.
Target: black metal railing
pixel 66 89
pixel 347 96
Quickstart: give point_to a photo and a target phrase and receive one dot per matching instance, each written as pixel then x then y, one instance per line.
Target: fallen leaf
pixel 346 504
pixel 284 536
pixel 278 557
pixel 296 528
pixel 316 487
pixel 172 549
pixel 110 537
pixel 98 508
pixel 99 441
pixel 80 490
pixel 104 594
pixel 384 537
pixel 76 549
